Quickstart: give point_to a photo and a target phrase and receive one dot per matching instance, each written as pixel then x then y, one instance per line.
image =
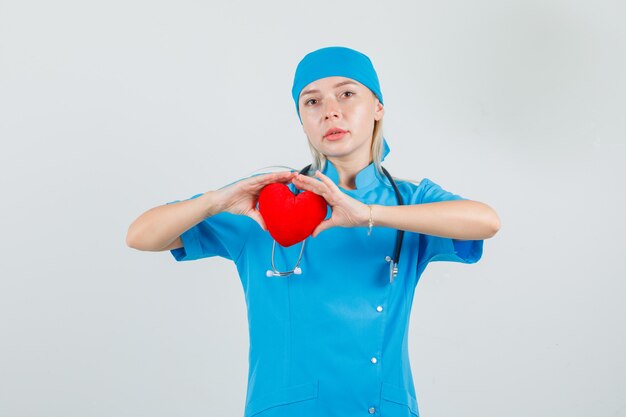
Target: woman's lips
pixel 335 136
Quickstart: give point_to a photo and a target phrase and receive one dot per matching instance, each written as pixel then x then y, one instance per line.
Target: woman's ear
pixel 379 112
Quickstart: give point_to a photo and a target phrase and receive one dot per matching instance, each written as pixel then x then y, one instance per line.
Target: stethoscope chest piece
pixel 296 269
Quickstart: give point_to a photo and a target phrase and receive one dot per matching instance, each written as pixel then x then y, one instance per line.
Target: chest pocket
pixel 298 400
pixel 397 402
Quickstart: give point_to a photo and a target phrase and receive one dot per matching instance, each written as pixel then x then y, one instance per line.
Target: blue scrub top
pixel 333 341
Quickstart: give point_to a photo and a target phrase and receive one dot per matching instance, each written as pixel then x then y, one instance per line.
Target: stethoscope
pixel 393 261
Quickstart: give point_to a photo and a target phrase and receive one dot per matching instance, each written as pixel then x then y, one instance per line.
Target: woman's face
pixel 340 103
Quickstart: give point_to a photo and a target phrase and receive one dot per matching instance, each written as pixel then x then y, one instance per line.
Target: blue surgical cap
pixel 335 61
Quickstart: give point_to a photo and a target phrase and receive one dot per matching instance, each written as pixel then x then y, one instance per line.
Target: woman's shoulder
pixel 413 184
pixel 416 191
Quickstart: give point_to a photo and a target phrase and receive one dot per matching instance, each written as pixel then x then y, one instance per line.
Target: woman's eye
pixel 349 93
pixel 309 101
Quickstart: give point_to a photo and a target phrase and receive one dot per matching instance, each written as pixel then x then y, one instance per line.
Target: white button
pixel 379 308
pixel 374 360
pixel 372 410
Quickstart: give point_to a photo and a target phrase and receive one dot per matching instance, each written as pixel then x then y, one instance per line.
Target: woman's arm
pixel 160 228
pixel 458 219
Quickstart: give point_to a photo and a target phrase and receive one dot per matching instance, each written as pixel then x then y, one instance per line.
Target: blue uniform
pixel 333 341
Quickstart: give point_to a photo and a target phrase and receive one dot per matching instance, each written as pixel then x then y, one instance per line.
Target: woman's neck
pixel 347 171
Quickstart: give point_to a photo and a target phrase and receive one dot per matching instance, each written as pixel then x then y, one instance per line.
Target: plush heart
pixel 290 218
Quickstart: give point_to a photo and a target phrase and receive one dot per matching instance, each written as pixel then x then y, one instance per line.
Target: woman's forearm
pixel 158 227
pixel 458 219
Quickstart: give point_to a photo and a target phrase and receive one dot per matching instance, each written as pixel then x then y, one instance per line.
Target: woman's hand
pixel 242 196
pixel 346 211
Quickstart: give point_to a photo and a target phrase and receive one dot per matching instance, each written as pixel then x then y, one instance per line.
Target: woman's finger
pixel 265 179
pixel 326 224
pixel 310 184
pixel 277 177
pixel 326 180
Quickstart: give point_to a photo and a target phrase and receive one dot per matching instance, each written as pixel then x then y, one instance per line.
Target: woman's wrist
pixel 367 216
pixel 209 204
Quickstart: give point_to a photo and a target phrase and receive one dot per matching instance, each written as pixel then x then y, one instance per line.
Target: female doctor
pixel 330 340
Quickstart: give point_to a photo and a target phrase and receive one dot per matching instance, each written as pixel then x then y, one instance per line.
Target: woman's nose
pixel 331 109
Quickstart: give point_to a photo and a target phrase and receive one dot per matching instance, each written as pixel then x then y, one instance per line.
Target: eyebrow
pixel 304 93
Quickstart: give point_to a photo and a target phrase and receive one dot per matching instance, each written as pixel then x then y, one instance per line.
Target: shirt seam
pixel 245 243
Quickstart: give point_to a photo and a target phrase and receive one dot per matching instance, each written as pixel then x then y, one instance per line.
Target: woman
pixel 331 341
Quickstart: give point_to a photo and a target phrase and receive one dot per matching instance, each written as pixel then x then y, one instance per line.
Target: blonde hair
pixel 376 150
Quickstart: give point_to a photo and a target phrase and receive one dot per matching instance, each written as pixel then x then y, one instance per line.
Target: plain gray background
pixel 110 108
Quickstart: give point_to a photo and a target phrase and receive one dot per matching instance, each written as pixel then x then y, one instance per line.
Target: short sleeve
pixel 435 248
pixel 223 234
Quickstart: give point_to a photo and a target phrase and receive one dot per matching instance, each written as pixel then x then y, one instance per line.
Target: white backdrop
pixel 110 108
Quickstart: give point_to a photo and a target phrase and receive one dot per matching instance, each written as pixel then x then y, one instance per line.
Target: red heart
pixel 290 218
